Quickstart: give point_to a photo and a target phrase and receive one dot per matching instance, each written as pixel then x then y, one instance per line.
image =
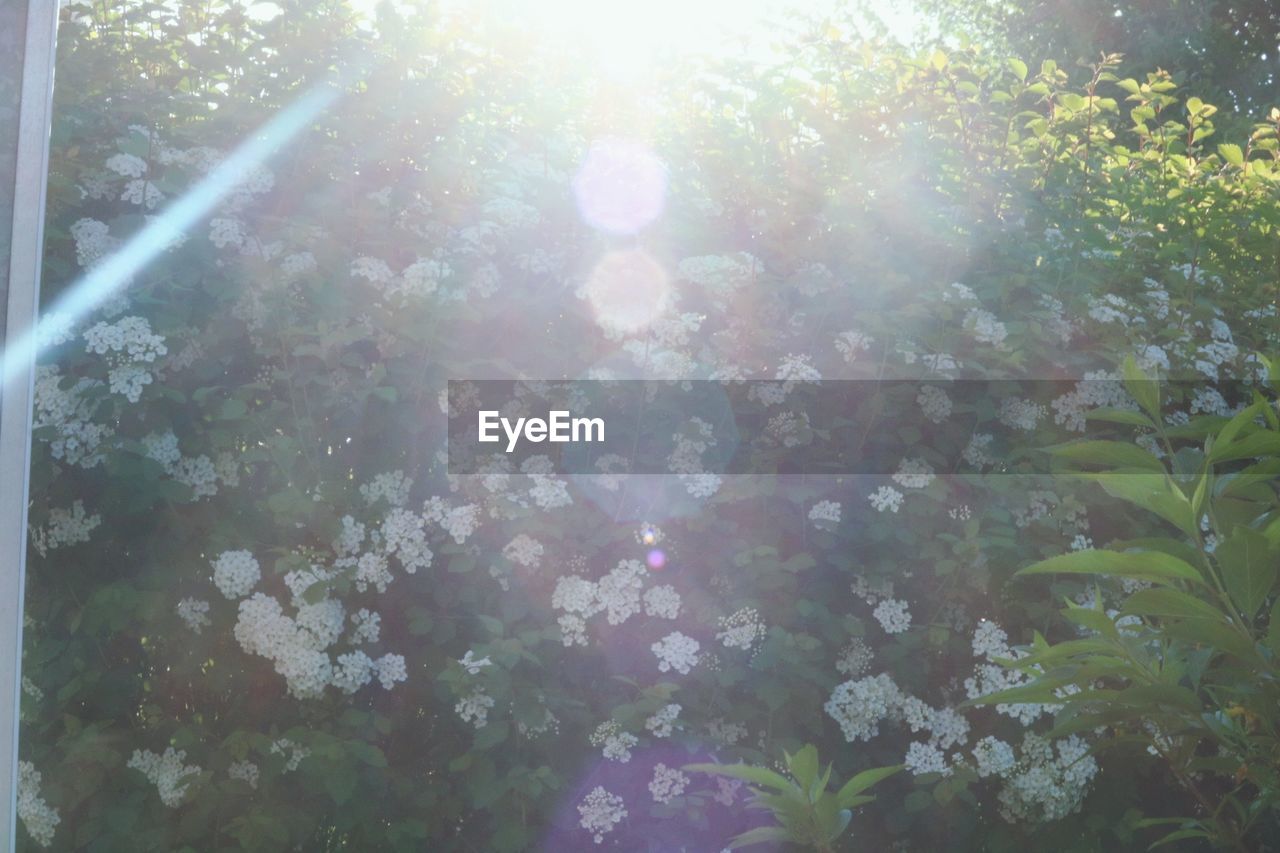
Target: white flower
pixel 473 664
pixel 1020 414
pixel 742 629
pixel 297 264
pixel 373 269
pixel 127 165
pixel 984 327
pixel 616 743
pixel 368 626
pixel 195 613
pixel 142 192
pixel 226 231
pixel 934 403
pixel 36 815
pixel 825 511
pixel 859 706
pixel 297 753
pixel 855 658
pixel 886 498
pixel 1044 786
pixel 990 641
pixel 667 784
pixel 600 811
pixel 93 241
pixel 798 368
pixel 166 772
pixel 474 708
pixel 391 669
pixel 849 344
pixel 892 615
pixel 525 550
pixel 676 651
pixel 975 452
pixel 662 601
pixel 235 573
pixel 914 474
pixel 925 758
pixel 246 771
pixel 66 527
pixel 352 671
pixel 993 757
pixel 662 723
pixel 393 487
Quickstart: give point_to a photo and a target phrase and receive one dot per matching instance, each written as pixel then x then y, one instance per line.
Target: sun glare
pixel 626 41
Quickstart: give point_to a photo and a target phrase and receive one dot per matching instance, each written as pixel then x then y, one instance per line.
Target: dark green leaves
pixel 1154 566
pixel 1248 562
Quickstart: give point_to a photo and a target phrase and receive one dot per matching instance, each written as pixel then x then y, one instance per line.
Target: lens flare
pixel 657 560
pixel 621 187
pixel 627 291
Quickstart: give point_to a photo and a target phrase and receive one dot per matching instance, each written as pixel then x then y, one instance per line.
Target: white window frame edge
pixel 35 111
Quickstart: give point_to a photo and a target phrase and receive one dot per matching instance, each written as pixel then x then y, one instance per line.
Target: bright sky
pixel 626 38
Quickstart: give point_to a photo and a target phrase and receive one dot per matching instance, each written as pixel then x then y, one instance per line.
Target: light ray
pixel 115 271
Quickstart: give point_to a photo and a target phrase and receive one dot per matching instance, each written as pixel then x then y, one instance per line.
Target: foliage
pixel 1185 667
pixel 1225 49
pixel 242 451
pixel 806 811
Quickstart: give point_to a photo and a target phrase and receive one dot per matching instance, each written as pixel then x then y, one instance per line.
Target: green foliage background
pixel 897 171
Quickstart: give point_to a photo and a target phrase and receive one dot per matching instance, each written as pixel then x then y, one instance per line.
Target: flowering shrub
pixel 1177 655
pixel 241 512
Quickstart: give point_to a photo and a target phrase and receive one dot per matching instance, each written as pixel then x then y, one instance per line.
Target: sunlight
pixel 626 41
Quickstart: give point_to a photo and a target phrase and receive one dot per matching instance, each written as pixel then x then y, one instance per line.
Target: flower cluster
pixel 600 812
pixel 127 344
pixel 893 615
pixel 66 527
pixel 194 612
pixel 245 771
pixel 296 753
pixel 236 573
pixel 676 652
pixel 667 784
pixel 828 511
pixel 662 723
pixel 742 629
pixel 40 819
pixel 167 772
pixel 615 742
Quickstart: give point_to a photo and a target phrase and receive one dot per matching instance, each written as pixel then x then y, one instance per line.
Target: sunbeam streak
pixel 117 269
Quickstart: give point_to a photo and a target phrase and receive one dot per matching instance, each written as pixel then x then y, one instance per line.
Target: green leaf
pixel 1248 565
pixel 1114 453
pixel 804 766
pixel 1019 68
pixel 1261 443
pixel 1142 388
pixel 1221 638
pixel 1142 565
pixel 849 792
pixel 1120 416
pixel 1165 601
pixel 1232 154
pixel 1153 492
pixel 1273 629
pixel 760 835
pixel 1243 418
pixel 491 735
pixel 1179 836
pixel 745 772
